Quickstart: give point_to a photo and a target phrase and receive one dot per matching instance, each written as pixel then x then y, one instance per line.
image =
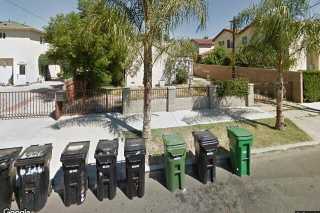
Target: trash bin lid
pixel 206 138
pixel 107 148
pixel 135 146
pixel 177 151
pixel 75 151
pixel 240 133
pixel 35 154
pixel 173 140
pixel 7 156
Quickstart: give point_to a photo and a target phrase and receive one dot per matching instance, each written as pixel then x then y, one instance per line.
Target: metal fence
pixel 183 92
pixel 267 91
pixel 95 101
pixel 21 104
pixel 157 93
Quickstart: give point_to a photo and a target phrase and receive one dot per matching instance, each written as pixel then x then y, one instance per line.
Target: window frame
pixel 23 70
pixel 221 43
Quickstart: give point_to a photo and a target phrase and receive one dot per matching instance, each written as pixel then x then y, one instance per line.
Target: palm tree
pixel 287 28
pixel 153 19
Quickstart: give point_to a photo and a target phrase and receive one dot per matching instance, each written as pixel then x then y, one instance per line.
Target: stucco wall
pixel 254 75
pixel 134 75
pixel 203 50
pixel 226 35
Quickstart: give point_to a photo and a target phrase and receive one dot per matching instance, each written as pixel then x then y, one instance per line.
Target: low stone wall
pixel 174 103
pixel 191 103
pixel 136 106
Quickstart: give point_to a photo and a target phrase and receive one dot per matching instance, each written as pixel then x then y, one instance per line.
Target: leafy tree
pixel 255 55
pixel 88 48
pixel 152 19
pixel 218 56
pixel 286 28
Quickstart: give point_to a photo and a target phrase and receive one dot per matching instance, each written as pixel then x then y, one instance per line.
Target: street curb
pixel 224 158
pixel 284 147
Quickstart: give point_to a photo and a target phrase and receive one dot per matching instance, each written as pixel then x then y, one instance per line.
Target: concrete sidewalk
pixel 305 118
pixel 26 132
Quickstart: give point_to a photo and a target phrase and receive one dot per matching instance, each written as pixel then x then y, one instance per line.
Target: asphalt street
pixel 280 182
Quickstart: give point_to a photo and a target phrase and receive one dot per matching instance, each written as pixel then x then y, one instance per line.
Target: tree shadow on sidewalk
pixel 112 121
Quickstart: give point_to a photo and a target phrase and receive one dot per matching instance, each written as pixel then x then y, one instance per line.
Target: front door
pixel 21 78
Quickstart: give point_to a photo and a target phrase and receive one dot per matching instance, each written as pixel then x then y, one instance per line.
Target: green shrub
pixel 311 86
pixel 218 56
pixel 182 76
pixel 237 87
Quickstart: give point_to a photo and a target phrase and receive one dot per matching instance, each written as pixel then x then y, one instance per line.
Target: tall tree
pixel 89 48
pixel 287 28
pixel 153 19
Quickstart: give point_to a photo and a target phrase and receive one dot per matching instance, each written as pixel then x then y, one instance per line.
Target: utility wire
pixel 314 5
pixel 27 11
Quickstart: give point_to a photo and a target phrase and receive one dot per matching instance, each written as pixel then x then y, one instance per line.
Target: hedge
pixel 237 87
pixel 311 86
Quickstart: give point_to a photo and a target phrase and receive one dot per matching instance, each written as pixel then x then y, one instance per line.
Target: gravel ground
pixel 281 182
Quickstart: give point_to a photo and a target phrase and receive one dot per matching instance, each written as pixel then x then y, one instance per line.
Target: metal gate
pixel 94 101
pixel 24 104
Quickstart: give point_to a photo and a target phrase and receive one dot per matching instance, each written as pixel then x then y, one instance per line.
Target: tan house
pixel 225 39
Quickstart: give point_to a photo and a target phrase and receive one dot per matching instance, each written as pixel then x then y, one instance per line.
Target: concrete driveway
pixel 280 182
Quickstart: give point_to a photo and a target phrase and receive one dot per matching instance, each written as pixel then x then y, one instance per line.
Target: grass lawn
pixel 264 134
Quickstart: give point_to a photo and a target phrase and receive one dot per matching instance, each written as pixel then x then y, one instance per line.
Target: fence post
pixel 212 96
pixel 125 100
pixel 172 95
pixel 60 98
pixel 250 96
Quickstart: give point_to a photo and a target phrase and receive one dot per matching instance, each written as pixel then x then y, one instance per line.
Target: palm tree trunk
pixel 280 117
pixel 147 80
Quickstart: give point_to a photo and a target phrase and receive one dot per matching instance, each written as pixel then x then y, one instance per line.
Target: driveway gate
pixel 24 104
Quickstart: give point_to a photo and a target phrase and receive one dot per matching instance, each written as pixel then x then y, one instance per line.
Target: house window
pixel 2 35
pixel 229 44
pixel 244 40
pixel 221 43
pixel 22 69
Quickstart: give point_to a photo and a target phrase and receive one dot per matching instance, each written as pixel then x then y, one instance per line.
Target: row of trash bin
pixel 27 175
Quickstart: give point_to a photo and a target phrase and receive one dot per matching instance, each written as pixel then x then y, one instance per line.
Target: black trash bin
pixel 74 162
pixel 7 176
pixel 206 146
pixel 33 178
pixel 106 160
pixel 135 151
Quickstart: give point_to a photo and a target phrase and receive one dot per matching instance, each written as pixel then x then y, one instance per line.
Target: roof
pixel 230 31
pixel 245 28
pixel 222 31
pixel 203 42
pixel 12 25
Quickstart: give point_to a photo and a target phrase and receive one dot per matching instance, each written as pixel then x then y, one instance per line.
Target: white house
pixel 20 48
pixel 134 75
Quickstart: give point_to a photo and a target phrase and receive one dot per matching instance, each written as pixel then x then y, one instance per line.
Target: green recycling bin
pixel 175 157
pixel 240 149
